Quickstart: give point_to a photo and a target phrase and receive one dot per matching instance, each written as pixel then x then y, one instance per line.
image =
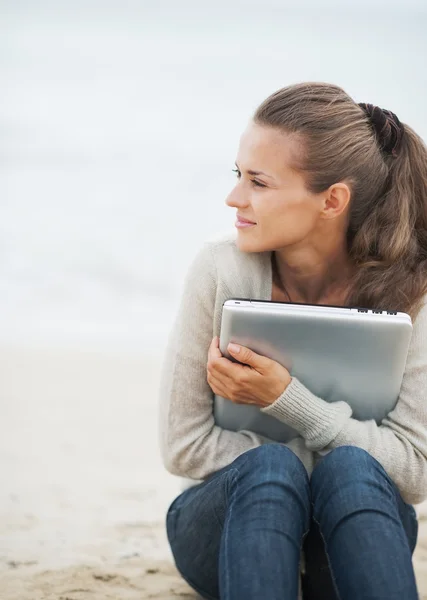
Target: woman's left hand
pixel 260 380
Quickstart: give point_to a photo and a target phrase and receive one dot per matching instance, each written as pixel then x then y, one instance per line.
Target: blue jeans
pixel 238 535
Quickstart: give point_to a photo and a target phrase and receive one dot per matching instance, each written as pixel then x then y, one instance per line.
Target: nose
pixel 237 198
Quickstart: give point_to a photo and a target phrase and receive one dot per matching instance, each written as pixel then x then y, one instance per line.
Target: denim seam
pixel 228 475
pixel 327 556
pixel 226 522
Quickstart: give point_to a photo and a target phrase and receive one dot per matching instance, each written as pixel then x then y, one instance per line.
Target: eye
pixel 254 181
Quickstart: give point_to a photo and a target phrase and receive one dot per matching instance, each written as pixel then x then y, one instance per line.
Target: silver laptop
pixel 352 354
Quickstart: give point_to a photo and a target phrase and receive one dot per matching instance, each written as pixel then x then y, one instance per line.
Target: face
pixel 270 193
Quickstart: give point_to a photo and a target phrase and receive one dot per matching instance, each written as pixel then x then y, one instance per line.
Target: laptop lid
pixel 356 355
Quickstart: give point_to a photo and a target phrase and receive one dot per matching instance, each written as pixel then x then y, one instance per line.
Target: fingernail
pixel 234 348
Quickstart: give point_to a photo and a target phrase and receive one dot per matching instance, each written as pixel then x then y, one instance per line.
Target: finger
pixel 223 390
pixel 227 369
pixel 211 352
pixel 219 363
pixel 247 356
pixel 232 376
pixel 214 351
pixel 217 386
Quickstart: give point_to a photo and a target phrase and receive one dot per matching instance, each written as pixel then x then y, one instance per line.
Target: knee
pixel 273 475
pixel 349 472
pixel 271 483
pixel 275 461
pixel 346 463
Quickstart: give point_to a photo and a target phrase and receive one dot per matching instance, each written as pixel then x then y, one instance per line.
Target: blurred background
pixel 119 125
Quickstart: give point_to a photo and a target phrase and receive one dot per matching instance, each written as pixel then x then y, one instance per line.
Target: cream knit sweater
pixel 193 447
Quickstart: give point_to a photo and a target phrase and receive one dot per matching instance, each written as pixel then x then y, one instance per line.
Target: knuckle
pixel 242 379
pixel 238 382
pixel 235 390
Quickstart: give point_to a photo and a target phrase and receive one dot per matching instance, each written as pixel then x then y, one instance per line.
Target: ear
pixel 336 200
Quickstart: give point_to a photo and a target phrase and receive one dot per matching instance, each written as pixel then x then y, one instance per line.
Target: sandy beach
pixel 84 491
pixel 120 123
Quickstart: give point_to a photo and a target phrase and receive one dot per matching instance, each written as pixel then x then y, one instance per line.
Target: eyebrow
pixel 255 173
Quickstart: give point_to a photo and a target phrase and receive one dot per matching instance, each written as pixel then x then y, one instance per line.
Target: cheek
pixel 288 222
pixel 282 221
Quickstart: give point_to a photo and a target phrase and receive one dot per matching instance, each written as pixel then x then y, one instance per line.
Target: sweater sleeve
pixel 191 445
pixel 399 443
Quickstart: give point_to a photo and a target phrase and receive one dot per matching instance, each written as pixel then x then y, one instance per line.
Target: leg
pixel 238 534
pixel 194 525
pixel 268 515
pixel 369 532
pixel 317 582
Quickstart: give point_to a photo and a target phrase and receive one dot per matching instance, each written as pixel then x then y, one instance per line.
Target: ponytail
pixel 390 248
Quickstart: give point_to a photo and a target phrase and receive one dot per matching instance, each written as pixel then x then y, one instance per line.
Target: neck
pixel 313 275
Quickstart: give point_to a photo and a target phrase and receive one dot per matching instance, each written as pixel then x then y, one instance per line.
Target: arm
pixel 399 443
pixel 191 445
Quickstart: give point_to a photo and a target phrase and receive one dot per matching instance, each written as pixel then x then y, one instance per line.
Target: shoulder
pixel 219 265
pixel 221 245
pixel 211 258
pixel 421 316
pixel 227 257
pixel 418 346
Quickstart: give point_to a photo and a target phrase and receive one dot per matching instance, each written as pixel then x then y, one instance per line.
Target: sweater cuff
pixel 316 420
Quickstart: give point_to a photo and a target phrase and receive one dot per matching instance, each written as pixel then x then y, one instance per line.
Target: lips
pixel 243 220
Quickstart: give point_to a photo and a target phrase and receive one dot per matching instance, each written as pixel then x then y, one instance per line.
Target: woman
pixel 331 200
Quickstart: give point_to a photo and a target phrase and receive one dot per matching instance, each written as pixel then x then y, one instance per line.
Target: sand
pixel 84 492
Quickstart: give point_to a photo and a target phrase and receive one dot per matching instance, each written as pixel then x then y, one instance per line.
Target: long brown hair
pixel 387 232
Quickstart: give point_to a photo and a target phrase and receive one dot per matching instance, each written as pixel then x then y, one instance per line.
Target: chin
pixel 245 244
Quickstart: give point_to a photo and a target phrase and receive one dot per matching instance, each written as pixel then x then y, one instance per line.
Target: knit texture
pixel 193 447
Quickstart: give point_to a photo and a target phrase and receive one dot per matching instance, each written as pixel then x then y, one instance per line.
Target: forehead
pixel 266 148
